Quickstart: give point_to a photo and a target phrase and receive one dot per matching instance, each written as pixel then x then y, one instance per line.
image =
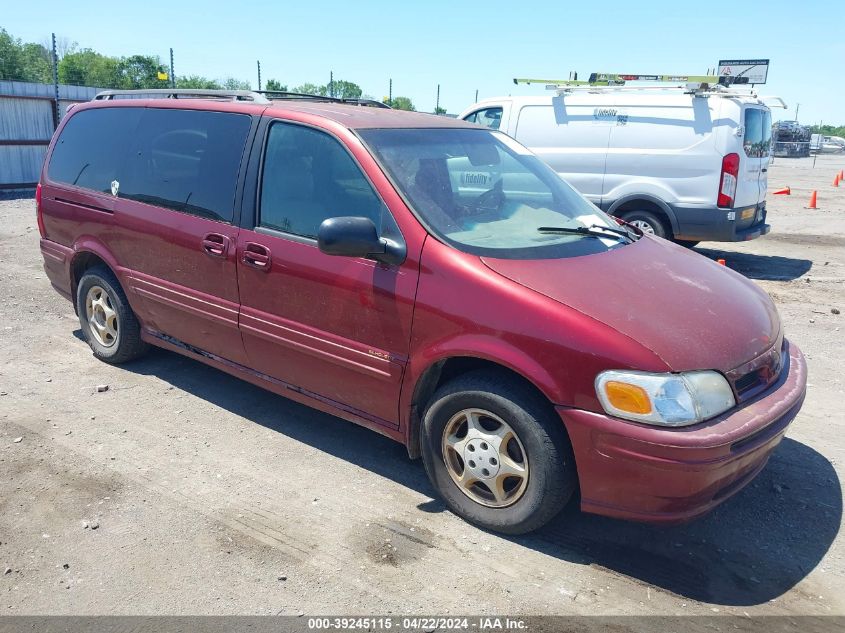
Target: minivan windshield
pixel 484 193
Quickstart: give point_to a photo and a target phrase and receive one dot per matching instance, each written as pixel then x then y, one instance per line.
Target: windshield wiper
pixel 594 230
pixel 620 231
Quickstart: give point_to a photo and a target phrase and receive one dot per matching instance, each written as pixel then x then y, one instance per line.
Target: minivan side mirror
pixel 357 237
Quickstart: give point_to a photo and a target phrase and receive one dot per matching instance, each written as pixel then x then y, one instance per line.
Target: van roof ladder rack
pixel 182 93
pixel 694 84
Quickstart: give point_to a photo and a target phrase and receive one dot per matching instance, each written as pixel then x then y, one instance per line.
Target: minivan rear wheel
pixel 108 324
pixel 497 453
pixel 647 222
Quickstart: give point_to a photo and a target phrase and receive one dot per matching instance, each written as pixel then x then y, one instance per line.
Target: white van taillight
pixel 39 215
pixel 727 184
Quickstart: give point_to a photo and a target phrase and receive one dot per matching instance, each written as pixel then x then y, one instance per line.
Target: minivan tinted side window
pixel 90 151
pixel 186 160
pixel 309 177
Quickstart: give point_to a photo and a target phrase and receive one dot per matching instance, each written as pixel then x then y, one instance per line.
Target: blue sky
pixel 464 46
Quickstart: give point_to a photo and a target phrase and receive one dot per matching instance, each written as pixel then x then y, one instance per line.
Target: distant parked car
pixel 829 144
pixel 791 139
pixel 429 279
pixel 682 166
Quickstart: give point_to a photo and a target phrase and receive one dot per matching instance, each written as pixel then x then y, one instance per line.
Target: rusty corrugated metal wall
pixel 27 115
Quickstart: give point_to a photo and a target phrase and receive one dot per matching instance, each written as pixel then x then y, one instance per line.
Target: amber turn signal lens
pixel 626 397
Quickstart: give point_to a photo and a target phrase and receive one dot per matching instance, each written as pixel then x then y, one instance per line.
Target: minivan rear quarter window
pixel 186 160
pixel 91 148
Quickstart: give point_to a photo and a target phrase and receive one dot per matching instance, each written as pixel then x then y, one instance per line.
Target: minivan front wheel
pixel 110 327
pixel 496 453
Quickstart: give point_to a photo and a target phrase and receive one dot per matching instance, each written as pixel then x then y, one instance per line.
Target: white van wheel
pixel 646 222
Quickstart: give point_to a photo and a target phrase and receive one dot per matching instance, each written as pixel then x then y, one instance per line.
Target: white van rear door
pixel 753 157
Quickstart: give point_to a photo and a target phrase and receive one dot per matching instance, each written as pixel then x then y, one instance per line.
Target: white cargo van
pixel 685 165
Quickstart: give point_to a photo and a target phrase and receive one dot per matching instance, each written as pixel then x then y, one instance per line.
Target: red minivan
pixel 430 279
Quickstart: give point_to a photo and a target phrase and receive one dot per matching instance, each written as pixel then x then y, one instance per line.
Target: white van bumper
pixel 719 225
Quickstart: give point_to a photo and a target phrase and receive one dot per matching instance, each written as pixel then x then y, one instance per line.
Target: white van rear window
pixel 757 140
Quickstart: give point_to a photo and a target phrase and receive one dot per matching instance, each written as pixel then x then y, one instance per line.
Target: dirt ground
pixel 181 490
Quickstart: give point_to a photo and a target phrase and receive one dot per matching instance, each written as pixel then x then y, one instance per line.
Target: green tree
pixel 272 84
pixel 196 82
pixel 10 65
pixel 402 103
pixel 311 89
pixel 89 68
pixel 140 71
pixel 340 90
pixel 36 63
pixel 236 84
pixel 439 110
pixel 828 130
pixel 345 90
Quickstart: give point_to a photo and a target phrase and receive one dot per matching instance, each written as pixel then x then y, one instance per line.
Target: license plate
pixel 748 213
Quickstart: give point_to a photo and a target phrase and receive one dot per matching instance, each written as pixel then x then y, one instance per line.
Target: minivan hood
pixel 690 311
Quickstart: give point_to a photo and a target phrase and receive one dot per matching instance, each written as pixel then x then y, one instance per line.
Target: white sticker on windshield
pixel 590 220
pixel 512 144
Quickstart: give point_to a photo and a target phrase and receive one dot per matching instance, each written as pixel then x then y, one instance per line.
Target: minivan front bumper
pixel 661 475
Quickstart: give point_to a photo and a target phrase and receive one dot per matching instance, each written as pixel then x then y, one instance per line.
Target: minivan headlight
pixel 664 399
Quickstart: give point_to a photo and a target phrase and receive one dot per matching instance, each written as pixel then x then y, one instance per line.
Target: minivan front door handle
pixel 256 255
pixel 215 245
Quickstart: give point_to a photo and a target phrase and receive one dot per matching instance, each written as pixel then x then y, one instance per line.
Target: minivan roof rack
pixel 281 95
pixel 182 93
pixel 723 85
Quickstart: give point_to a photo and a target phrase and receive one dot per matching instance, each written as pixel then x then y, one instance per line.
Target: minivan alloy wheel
pixel 485 458
pixel 102 317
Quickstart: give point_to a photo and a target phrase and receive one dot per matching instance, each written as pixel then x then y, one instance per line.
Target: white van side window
pixel 489 117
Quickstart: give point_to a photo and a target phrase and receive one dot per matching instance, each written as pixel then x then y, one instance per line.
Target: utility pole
pixel 172 74
pixel 56 114
pixel 797 105
pixel 476 96
pixel 331 83
pixel 259 74
pixel 390 93
pixel 437 104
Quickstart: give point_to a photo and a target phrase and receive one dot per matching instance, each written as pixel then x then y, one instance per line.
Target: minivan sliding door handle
pixel 215 245
pixel 256 255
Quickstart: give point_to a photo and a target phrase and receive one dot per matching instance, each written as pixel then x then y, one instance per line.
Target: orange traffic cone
pixel 841 175
pixel 836 181
pixel 786 191
pixel 812 201
pixel 721 262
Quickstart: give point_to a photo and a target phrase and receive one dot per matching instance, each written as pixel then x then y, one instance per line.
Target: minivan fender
pixel 85 246
pixel 424 373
